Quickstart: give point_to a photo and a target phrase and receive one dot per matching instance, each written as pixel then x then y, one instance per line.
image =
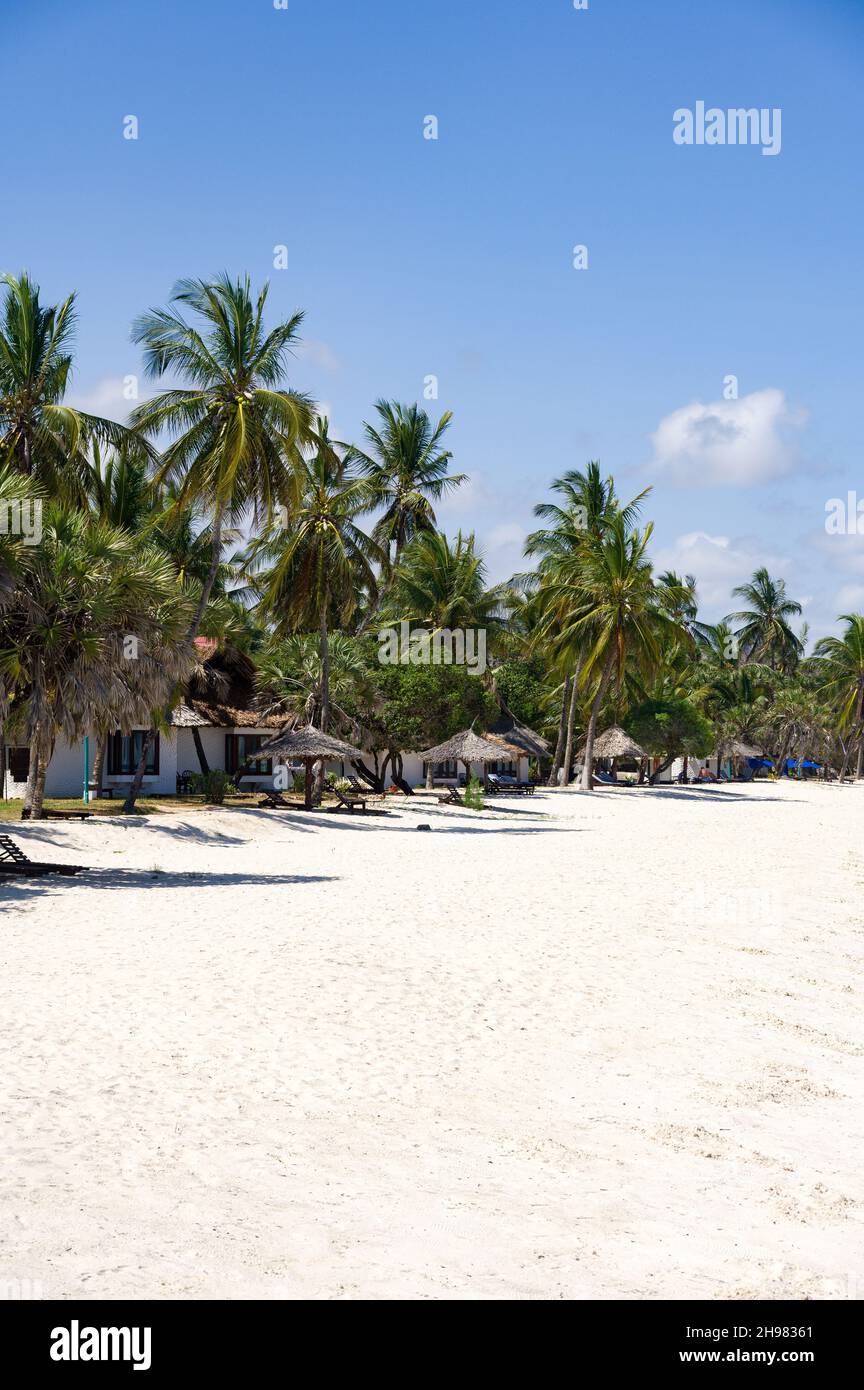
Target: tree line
pixel 225 509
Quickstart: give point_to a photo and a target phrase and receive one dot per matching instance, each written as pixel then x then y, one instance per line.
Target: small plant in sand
pixel 474 794
pixel 215 786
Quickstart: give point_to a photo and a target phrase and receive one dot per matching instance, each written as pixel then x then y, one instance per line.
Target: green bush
pixel 474 794
pixel 216 784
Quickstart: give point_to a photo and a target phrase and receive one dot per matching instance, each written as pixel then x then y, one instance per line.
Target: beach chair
pixel 48 814
pixel 350 800
pixel 14 861
pixel 452 796
pixel 275 801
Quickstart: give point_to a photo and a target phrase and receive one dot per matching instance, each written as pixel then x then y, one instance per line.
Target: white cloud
pixel 719 564
pixel 110 397
pixel 850 598
pixel 737 443
pixel 318 354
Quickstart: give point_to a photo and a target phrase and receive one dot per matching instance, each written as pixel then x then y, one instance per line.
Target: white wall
pixel 65 776
pixel 414 775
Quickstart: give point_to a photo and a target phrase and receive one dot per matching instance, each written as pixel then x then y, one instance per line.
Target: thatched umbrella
pixel 508 730
pixel 737 749
pixel 310 744
pixel 615 743
pixel 468 747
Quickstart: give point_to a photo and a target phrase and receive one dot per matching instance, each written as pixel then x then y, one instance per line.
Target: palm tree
pixel 841 677
pixel 765 634
pixel 120 490
pixel 63 656
pixel 320 566
pixel 613 616
pixel 235 431
pixel 42 437
pixel 17 559
pixel 290 677
pixel 588 505
pixel 444 585
pixel 407 471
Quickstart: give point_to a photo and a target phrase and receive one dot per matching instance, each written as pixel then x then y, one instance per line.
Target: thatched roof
pixel 185 718
pixel 615 743
pixel 507 729
pixel 737 749
pixel 309 743
pixel 202 714
pixel 468 747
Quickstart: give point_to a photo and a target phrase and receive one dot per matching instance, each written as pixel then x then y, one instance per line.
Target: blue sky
pixel 412 257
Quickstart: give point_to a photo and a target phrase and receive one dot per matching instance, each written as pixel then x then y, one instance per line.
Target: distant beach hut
pixel 468 747
pixel 615 742
pixel 310 745
pixel 737 749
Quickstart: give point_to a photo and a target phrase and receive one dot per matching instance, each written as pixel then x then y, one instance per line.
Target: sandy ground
pixel 587 1046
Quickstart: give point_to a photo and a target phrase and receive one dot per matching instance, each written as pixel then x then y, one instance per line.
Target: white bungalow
pixel 219 731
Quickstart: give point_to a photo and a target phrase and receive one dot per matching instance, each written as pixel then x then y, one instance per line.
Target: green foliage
pixel 670 729
pixel 424 705
pixel 473 796
pixel 520 683
pixel 215 786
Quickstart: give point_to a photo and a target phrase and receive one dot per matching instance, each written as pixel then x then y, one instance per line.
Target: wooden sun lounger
pixel 362 790
pixel 48 814
pixel 275 801
pixel 451 795
pixel 350 800
pixel 14 861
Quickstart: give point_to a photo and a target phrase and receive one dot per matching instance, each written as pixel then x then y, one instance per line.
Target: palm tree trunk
pixel 587 784
pixel 39 789
pixel 215 556
pixel 325 670
pixel 562 734
pixel 32 774
pixel 99 767
pixel 202 756
pixel 571 720
pixel 859 769
pixel 325 690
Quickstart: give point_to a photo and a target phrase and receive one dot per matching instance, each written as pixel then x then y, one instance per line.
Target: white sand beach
pixel 581 1047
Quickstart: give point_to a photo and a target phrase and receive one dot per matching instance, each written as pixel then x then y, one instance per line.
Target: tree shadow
pixel 729 795
pixel 42 830
pixel 14 889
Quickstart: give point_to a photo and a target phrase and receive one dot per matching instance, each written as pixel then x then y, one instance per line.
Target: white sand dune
pixel 606 1046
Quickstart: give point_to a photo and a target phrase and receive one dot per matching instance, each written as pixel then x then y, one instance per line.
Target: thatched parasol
pixel 309 744
pixel 737 749
pixel 468 747
pixel 508 730
pixel 615 743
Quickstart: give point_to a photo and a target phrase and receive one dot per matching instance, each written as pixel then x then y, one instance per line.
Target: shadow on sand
pixel 14 889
